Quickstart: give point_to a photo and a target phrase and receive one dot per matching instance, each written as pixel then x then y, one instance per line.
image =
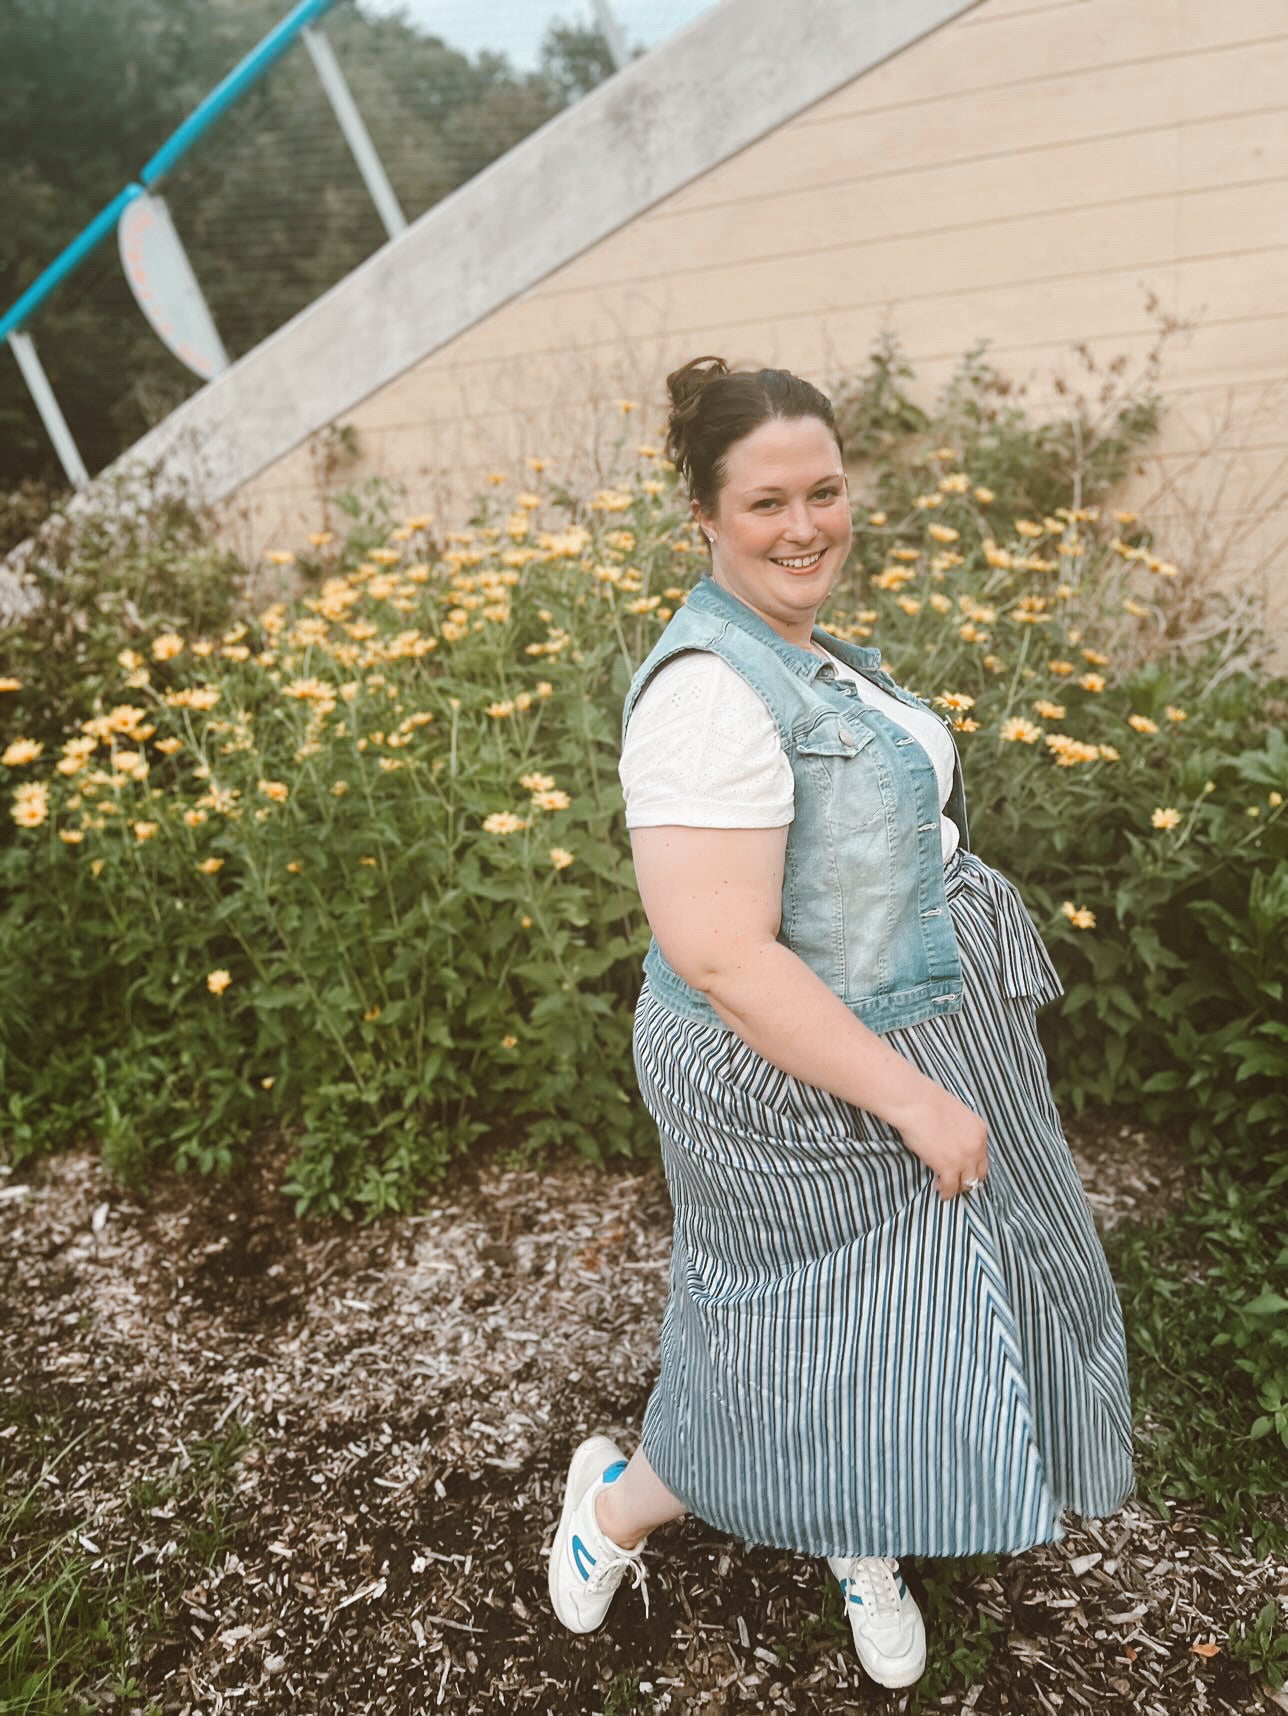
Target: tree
pixel 269 204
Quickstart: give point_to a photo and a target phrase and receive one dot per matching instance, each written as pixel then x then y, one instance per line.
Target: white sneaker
pixel 586 1566
pixel 889 1633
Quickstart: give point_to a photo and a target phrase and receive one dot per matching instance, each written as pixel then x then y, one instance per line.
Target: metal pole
pixel 355 131
pixel 611 31
pixel 55 423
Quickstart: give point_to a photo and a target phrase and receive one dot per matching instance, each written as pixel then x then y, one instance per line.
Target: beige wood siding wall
pixel 1028 174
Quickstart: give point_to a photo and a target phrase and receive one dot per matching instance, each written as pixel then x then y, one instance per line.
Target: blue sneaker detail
pixel 583 1580
pixel 889 1633
pixel 578 1551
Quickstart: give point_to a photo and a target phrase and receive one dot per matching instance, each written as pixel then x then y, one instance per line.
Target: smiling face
pixel 781 524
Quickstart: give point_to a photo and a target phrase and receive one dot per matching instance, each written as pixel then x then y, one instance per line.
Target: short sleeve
pixel 702 750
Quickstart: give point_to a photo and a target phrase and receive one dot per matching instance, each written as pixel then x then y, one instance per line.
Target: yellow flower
pixel 537 465
pixel 1167 818
pixel 279 557
pixel 1091 681
pixel 1049 711
pixel 276 790
pixel 877 519
pixel 942 533
pixel 96 866
pixel 537 783
pixel 1016 727
pixel 320 538
pixel 268 1083
pixel 210 865
pixel 545 688
pixel 218 981
pixel 626 406
pixel 1095 658
pixel 144 830
pixel 499 711
pixel 310 690
pixel 191 697
pixel 369 862
pixel 1273 797
pixel 560 857
pixel 1063 668
pixel 509 1042
pixel 496 478
pixel 1254 810
pixel 1079 916
pixel 168 747
pixel 165 647
pixel 1142 723
pixel 71 836
pixel 551 800
pixel 1175 714
pixel 9 683
pixel 1026 527
pixel 525 923
pixel 371 1015
pixel 294 866
pixel 1125 517
pixel 646 451
pixel 984 496
pixel 945 453
pixel 954 700
pixel 998 557
pixel 1070 752
pixel 194 818
pixel 21 751
pixel 504 822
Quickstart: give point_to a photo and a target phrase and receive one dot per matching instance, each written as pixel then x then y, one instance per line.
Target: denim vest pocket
pixel 847 782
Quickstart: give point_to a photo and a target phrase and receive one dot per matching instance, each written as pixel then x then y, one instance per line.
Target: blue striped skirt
pixel 849 1364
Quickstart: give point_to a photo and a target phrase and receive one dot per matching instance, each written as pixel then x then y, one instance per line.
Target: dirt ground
pixel 392 1409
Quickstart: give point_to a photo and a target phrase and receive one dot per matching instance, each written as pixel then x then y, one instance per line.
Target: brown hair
pixel 713 406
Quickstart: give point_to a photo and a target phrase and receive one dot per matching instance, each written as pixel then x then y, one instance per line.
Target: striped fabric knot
pixel 1025 967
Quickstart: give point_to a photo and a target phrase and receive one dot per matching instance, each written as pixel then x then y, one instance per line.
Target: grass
pixel 1200 1344
pixel 76 1613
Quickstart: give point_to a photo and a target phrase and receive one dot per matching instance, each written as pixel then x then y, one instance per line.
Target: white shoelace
pixel 613 1558
pixel 877 1580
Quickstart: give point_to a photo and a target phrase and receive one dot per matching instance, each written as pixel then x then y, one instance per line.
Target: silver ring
pixel 969 1185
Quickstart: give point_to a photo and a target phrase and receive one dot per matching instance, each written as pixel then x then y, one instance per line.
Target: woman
pixel 891 1329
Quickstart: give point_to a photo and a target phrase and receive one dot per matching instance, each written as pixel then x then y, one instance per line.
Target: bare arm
pixel 713 897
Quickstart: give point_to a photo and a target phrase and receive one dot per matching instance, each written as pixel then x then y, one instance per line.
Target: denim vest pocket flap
pixel 831 735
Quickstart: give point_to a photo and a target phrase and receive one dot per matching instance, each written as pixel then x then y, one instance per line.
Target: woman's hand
pixel 950 1138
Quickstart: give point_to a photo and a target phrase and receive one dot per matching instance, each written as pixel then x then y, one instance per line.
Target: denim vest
pixel 863 884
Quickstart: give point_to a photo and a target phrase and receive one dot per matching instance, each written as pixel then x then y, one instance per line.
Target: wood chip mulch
pixel 405 1397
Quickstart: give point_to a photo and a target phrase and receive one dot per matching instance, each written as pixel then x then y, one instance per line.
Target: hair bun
pixel 685 386
pixel 685 383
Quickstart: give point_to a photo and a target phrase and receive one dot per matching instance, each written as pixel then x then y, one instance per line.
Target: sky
pixel 515 27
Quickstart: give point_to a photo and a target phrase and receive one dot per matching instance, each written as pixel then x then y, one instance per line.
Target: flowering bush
pixel 353 863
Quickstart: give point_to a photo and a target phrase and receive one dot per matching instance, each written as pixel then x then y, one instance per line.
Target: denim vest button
pixel 847 738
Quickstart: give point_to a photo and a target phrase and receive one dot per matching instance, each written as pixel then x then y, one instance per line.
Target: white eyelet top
pixel 702 749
